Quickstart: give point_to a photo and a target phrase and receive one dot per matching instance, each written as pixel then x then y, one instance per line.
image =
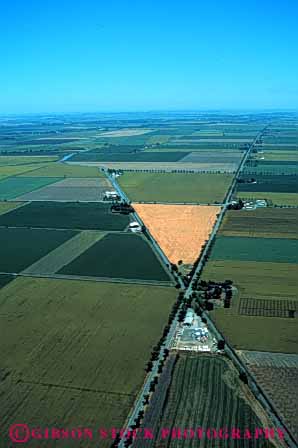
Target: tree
pixel 243 377
pixel 221 344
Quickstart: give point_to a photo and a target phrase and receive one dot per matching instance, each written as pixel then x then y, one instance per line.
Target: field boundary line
pixel 165 284
pixel 81 389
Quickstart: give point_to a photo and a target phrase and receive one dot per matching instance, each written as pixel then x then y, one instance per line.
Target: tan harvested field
pixel 180 230
pixel 124 133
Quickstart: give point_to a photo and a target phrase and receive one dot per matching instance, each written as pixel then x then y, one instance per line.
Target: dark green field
pixel 124 255
pixel 263 222
pixel 279 250
pixel 130 157
pixel 66 215
pixel 22 247
pixel 13 187
pixel 48 141
pixel 116 149
pixel 268 183
pixel 273 168
pixel 5 279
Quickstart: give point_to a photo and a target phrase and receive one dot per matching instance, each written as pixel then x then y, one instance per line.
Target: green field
pixel 273 167
pixel 257 280
pixel 169 187
pixel 119 255
pixel 65 253
pixel 130 157
pixel 279 199
pixel 22 247
pixel 291 156
pixel 65 215
pixel 205 392
pixel 8 206
pixel 267 334
pixel 13 187
pixel 268 183
pixel 15 170
pixel 74 352
pixel 23 160
pixel 279 250
pixel 63 170
pixel 262 222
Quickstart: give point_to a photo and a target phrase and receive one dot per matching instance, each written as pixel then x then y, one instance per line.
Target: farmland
pixel 290 156
pixel 232 157
pixel 168 187
pixel 65 253
pixel 24 160
pixel 65 170
pixel 134 157
pixel 268 183
pixel 167 224
pixel 69 373
pixel 12 187
pixel 71 189
pixel 256 279
pixel 129 157
pixel 279 199
pixel 205 392
pixel 8 206
pixel 22 247
pixel 181 167
pixel 5 279
pixel 14 170
pixel 277 375
pixel 273 334
pixel 70 215
pixel 89 301
pixel 122 255
pixel 124 133
pixel 263 222
pixel 279 250
pixel 268 307
pixel 273 167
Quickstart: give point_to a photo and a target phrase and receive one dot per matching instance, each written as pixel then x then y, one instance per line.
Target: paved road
pixel 138 406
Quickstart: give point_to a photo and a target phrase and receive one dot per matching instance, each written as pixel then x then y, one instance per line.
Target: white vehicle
pixel 111 195
pixel 135 227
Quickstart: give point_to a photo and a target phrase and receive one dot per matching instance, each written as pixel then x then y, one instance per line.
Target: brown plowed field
pixel 180 230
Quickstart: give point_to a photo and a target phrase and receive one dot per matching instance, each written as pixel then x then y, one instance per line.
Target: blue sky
pixel 92 55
